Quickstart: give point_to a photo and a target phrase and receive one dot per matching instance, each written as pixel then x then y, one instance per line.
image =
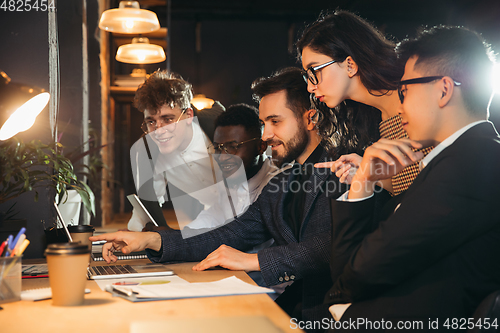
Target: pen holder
pixel 10 279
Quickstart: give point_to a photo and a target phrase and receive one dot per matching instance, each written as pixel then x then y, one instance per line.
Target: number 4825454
pixel 27 5
pixel 470 323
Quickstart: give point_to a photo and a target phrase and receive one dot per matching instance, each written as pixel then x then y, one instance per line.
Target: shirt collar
pixel 315 155
pixel 446 143
pixel 308 166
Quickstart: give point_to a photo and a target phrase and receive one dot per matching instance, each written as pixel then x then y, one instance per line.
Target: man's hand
pixel 382 160
pixel 345 167
pixel 126 242
pixel 227 257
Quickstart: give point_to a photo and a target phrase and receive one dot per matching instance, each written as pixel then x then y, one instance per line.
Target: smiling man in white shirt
pixel 174 153
pixel 431 255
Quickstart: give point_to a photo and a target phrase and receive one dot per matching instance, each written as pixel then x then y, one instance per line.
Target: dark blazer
pixel 437 255
pixel 305 258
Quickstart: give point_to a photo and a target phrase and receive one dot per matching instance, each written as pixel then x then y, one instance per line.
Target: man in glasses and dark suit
pixel 432 255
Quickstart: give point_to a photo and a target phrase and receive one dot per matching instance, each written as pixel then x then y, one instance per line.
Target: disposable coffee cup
pixel 81 233
pixel 67 263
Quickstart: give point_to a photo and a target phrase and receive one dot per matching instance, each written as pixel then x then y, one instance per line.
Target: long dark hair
pixel 352 126
pixel 348 128
pixel 341 34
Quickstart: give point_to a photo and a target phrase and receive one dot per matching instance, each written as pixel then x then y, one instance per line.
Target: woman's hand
pixel 345 167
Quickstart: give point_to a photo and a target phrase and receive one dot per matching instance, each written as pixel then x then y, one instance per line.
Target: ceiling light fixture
pixel 129 19
pixel 140 52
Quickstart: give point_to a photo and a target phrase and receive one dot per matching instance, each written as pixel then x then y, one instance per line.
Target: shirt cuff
pixel 136 223
pixel 337 310
pixel 344 197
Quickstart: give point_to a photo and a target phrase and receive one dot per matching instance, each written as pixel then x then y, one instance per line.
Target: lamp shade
pixel 24 117
pixel 201 102
pixel 140 52
pixel 129 19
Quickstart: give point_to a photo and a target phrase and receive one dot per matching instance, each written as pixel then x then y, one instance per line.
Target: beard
pixel 293 147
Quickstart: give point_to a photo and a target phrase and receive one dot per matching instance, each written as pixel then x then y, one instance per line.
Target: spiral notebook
pixel 39 294
pixel 35 271
pixel 97 253
pixel 97 256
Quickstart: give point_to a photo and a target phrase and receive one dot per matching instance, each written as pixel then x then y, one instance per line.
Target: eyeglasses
pixel 150 125
pixel 310 73
pixel 425 79
pixel 230 147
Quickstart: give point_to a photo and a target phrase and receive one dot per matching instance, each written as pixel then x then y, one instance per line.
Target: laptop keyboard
pixel 112 270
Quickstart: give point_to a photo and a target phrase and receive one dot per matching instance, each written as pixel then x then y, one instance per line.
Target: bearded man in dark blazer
pixel 434 253
pixel 290 209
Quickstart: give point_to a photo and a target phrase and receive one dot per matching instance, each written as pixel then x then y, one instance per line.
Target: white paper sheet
pixel 228 286
pixel 173 279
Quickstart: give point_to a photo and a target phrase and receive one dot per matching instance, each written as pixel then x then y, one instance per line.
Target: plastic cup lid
pixel 67 249
pixel 81 228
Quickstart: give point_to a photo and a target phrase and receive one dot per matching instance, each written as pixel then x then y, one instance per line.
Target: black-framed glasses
pixel 230 147
pixel 310 73
pixel 151 125
pixel 425 79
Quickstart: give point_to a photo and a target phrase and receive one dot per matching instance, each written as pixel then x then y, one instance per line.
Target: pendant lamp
pixel 129 19
pixel 140 52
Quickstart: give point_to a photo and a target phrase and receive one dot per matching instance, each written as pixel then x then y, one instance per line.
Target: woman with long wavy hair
pixel 348 61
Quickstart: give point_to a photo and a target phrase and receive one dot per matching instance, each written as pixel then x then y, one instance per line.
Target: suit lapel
pixel 287 231
pixel 484 130
pixel 312 189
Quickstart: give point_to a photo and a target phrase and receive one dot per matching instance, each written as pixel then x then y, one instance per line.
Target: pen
pixel 18 244
pixel 22 247
pixel 14 243
pixel 2 247
pixel 9 241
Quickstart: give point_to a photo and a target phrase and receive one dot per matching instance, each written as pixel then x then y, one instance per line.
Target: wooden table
pixel 104 313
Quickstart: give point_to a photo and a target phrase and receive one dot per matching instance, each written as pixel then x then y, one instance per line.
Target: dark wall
pixel 250 39
pixel 25 59
pixel 230 58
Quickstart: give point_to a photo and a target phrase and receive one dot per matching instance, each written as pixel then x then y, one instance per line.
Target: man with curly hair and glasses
pixel 174 149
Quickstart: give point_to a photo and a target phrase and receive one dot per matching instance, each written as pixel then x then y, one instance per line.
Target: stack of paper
pixel 225 287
